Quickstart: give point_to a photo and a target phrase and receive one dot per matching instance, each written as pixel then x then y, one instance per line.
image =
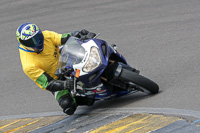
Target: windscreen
pixel 72 53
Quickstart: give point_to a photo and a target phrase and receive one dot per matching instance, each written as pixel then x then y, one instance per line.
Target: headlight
pixel 94 60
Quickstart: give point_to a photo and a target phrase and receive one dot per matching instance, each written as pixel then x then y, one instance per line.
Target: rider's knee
pixel 67 103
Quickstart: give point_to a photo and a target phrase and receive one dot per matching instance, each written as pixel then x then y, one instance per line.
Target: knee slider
pixel 65 101
pixel 67 104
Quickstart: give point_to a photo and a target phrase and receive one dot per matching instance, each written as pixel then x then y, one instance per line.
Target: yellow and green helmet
pixel 30 35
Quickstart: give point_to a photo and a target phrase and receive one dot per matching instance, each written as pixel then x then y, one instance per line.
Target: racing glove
pixel 83 34
pixel 58 85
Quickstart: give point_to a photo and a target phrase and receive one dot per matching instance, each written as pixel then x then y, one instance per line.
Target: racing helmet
pixel 30 36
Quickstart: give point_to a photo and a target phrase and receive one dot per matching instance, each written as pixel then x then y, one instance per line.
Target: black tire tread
pixel 130 76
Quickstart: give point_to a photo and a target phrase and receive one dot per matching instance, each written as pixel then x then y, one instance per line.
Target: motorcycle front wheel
pixel 140 82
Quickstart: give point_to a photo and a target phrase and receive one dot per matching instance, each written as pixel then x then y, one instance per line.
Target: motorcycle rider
pixel 39 54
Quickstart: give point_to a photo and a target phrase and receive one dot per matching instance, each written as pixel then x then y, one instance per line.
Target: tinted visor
pixel 34 42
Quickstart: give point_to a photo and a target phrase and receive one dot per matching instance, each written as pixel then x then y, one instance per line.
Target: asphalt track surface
pixel 159 37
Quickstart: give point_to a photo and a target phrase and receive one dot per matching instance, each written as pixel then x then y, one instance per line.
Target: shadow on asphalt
pixel 115 102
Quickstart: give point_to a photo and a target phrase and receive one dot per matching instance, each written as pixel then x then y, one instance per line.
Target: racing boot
pixel 68 104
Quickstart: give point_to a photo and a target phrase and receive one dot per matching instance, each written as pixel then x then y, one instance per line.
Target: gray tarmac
pixel 160 38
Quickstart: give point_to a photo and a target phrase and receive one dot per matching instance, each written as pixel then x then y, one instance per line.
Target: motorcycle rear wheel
pixel 140 82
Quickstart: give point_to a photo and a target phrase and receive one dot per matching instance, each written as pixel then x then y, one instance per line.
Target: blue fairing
pixel 96 74
pixel 98 71
pixel 73 53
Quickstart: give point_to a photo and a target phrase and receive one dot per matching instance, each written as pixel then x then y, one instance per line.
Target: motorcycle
pixel 98 68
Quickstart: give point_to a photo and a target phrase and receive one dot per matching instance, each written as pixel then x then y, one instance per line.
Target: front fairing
pixel 75 55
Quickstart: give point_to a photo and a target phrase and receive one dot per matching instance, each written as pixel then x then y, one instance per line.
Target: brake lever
pixel 98 34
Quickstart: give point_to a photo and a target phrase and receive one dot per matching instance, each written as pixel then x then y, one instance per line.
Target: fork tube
pixel 75 87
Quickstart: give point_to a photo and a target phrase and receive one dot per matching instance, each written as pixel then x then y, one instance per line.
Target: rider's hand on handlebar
pixel 91 35
pixel 83 34
pixel 87 34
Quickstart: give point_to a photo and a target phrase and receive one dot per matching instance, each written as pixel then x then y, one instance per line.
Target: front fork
pixel 113 71
pixel 80 91
pixel 74 92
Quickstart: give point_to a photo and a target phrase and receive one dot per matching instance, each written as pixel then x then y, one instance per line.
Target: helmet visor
pixel 34 42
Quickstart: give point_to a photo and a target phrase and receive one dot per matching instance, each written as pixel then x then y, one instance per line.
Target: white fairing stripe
pixel 87 46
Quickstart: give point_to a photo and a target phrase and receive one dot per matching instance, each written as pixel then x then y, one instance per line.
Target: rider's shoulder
pixel 49 34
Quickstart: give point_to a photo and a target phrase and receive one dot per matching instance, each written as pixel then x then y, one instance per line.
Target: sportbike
pixel 98 68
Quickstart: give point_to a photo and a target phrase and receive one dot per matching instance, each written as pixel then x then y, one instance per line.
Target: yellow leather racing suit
pixel 35 65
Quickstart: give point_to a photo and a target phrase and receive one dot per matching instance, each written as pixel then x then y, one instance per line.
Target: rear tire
pixel 144 84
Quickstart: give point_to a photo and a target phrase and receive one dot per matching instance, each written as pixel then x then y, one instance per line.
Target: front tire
pixel 144 84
